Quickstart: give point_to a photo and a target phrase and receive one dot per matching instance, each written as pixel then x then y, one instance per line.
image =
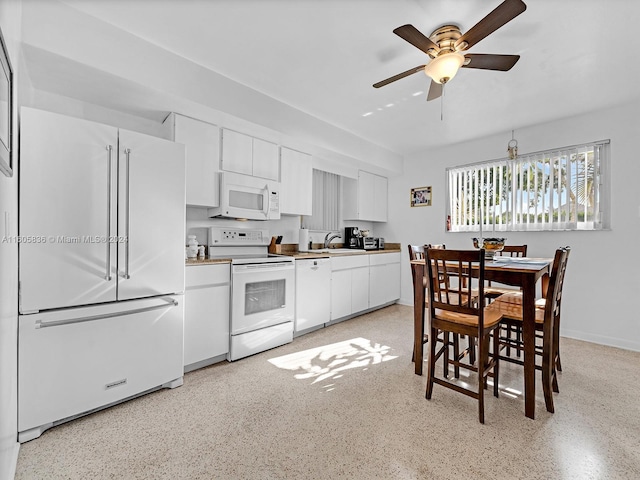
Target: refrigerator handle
pixel 126 275
pixel 109 152
pixel 168 302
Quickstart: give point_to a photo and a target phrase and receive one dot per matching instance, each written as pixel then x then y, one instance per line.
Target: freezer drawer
pixel 76 360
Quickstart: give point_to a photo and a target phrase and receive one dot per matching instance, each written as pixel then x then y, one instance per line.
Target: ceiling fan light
pixel 444 67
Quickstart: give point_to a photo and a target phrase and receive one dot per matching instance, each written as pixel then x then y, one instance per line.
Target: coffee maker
pixel 352 238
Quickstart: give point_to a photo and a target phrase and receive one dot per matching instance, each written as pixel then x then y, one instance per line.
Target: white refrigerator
pixel 101 267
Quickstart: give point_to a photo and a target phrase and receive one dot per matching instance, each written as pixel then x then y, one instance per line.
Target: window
pixel 326 193
pixel 560 189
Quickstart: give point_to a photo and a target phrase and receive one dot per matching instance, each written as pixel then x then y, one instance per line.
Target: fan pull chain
pixel 442 104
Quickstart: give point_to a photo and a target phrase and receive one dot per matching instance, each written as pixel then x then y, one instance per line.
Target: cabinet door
pixel 380 196
pixel 67 191
pixel 206 317
pixel 378 286
pixel 359 289
pixel 393 279
pixel 151 216
pixel 202 142
pixel 237 152
pixel 366 196
pixel 296 182
pixel 266 161
pixel 340 294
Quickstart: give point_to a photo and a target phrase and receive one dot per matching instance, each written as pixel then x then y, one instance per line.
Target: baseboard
pixel 623 343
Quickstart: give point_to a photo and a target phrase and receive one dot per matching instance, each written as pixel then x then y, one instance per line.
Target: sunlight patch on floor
pixel 330 361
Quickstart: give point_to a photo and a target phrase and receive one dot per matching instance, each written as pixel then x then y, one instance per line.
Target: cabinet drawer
pixel 384 258
pixel 349 261
pixel 202 275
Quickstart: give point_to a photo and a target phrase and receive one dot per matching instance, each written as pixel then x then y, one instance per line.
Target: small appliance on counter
pixel 380 243
pixel 353 238
pixel 369 243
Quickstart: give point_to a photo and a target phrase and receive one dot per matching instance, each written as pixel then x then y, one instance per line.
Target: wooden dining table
pixel 521 272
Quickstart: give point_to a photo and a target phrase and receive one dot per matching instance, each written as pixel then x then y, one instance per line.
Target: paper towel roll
pixel 303 243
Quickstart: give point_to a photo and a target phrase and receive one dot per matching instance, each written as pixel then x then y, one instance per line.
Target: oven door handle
pixel 264 266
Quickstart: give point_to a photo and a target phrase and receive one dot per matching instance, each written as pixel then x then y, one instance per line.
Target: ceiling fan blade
pixel 398 76
pixel 490 62
pixel 435 91
pixel 412 35
pixel 503 13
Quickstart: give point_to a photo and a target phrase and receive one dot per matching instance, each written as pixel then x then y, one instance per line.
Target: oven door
pixel 262 295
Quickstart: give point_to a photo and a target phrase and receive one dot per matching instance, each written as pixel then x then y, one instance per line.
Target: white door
pixel 67 184
pixel 151 216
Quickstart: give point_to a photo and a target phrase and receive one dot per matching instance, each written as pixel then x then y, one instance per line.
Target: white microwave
pixel 243 196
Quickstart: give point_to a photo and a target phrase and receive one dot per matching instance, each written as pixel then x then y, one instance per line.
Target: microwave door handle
pixel 268 202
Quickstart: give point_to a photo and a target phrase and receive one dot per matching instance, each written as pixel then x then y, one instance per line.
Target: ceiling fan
pixel 445 44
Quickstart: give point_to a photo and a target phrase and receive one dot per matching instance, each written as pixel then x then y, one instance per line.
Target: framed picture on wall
pixel 421 197
pixel 6 110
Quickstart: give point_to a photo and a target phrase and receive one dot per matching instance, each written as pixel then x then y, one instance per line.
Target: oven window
pixel 264 296
pixel 246 200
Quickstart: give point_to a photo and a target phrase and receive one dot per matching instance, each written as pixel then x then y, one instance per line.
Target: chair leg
pixel 445 366
pixel 496 359
pixel 456 355
pixel 431 367
pixel 482 354
pixel 471 342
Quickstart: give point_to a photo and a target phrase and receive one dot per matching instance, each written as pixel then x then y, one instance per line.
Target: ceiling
pixel 322 57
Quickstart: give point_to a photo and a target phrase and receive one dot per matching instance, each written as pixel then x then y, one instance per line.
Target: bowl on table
pixel 491 245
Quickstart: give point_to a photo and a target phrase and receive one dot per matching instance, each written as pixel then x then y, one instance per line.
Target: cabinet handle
pixel 126 275
pixel 108 274
pixel 56 323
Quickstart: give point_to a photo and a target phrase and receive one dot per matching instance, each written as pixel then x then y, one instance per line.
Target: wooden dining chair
pixel 416 252
pixel 540 303
pixel 492 292
pixel 547 322
pixel 453 310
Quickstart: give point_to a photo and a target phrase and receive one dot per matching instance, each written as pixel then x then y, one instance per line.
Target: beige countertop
pixel 295 254
pixel 206 261
pixel 303 255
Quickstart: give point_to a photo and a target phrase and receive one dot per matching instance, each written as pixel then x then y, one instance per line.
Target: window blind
pixel 559 189
pixel 325 203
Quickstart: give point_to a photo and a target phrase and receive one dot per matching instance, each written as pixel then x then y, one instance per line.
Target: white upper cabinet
pixel 202 142
pixel 296 182
pixel 365 198
pixel 250 156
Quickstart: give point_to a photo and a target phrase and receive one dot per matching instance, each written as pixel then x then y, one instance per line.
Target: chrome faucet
pixel 330 236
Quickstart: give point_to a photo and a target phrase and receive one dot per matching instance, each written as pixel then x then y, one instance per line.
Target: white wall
pixel 602 281
pixel 10 13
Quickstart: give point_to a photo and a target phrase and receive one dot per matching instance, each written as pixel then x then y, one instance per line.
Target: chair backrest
pixel 556 281
pixel 553 298
pixel 458 296
pixel 514 251
pixel 416 252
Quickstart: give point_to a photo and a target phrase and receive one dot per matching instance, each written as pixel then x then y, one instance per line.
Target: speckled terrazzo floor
pixel 343 402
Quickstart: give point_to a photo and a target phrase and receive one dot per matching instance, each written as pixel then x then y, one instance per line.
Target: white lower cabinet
pixel 313 293
pixel 206 319
pixel 349 285
pixel 384 278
